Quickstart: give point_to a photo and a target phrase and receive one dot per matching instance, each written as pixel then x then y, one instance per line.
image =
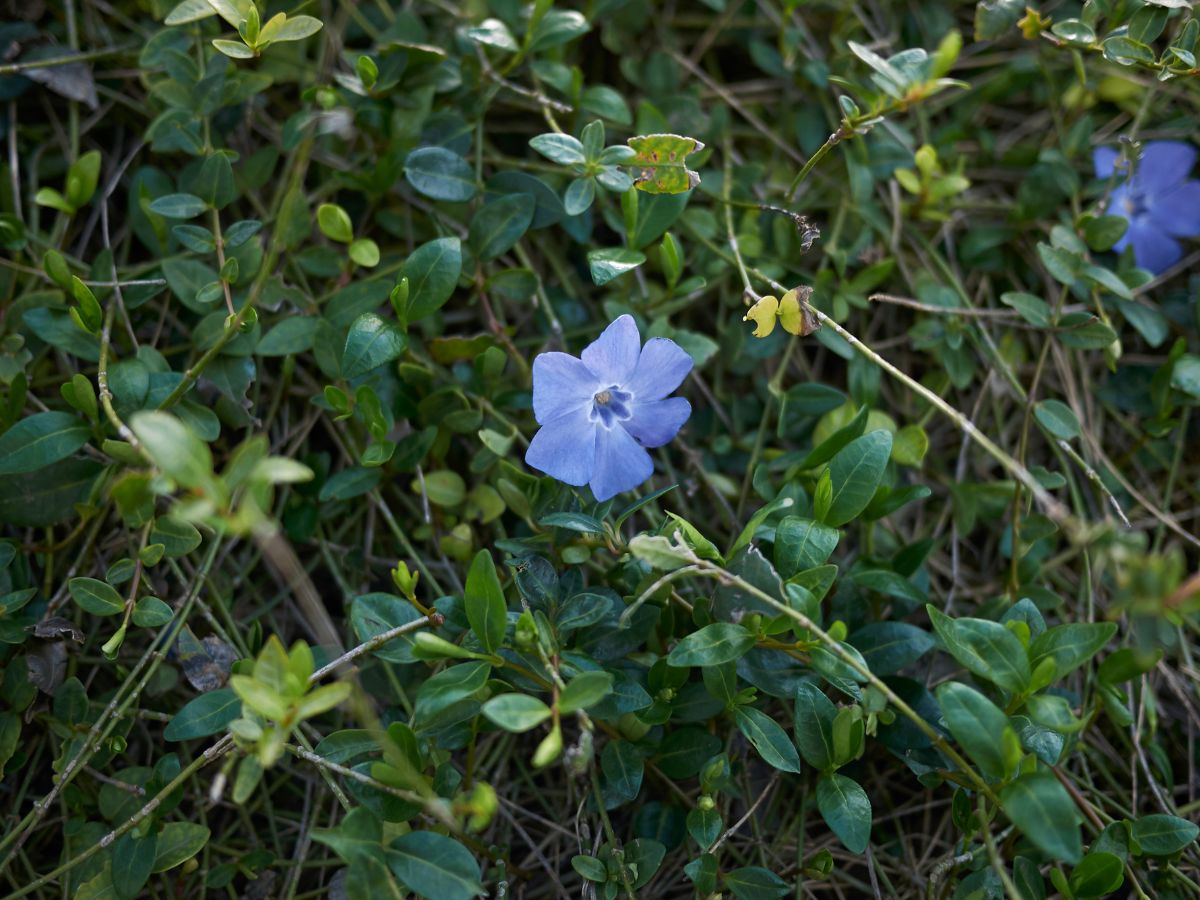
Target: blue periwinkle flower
pixel 599 413
pixel 1158 200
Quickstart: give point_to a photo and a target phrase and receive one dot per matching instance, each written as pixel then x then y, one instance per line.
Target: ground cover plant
pixel 462 448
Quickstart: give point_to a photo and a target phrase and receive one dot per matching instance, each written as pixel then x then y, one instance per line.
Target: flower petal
pixel 1103 159
pixel 1177 212
pixel 621 465
pixel 565 448
pixel 614 355
pixel 1153 249
pixel 1164 164
pixel 661 368
pixel 561 383
pixel 655 423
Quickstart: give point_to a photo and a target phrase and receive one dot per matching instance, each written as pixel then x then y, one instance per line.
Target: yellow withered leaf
pixel 763 315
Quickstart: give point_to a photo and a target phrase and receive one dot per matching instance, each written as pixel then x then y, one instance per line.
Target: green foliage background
pixel 908 608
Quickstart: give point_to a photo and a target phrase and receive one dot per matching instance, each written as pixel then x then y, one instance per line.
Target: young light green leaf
pixel 516 712
pixel 584 690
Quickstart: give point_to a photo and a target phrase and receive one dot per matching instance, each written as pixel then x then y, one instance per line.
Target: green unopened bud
pixel 705 803
pixel 113 644
pixel 549 749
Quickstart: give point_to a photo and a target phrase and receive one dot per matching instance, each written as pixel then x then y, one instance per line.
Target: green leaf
pixel 1083 331
pixel 151 612
pixel 178 206
pixel 206 715
pixel 1057 418
pixel 233 49
pixel 557 27
pixel 516 712
pixel 40 440
pixel 1163 835
pixel 296 28
pixel 661 163
pixel 1096 875
pixel 48 496
pixel 97 597
pixel 351 482
pixel 712 645
pixel 494 33
pixel 451 685
pixel 500 224
pixel 441 174
pixel 855 473
pixel 1033 310
pixel 1126 51
pixel 364 252
pixel 584 690
pixel 372 342
pixel 335 223
pixel 623 769
pixel 756 883
pixel 1185 375
pixel 175 448
pixel 484 598
pixel 814 725
pixel 82 179
pixel 293 335
pixel 605 265
pixel 846 810
pixel 1071 645
pixel 179 538
pixel 1040 806
pixel 561 148
pixel 801 544
pixel 1101 232
pixel 432 271
pixel 684 752
pixel 768 738
pixel 1077 32
pixel 573 521
pixel 986 648
pixel 590 868
pixel 132 861
pixel 978 725
pixel 890 646
pixel 189 11
pixel 177 843
pixel 435 866
pixel 373 614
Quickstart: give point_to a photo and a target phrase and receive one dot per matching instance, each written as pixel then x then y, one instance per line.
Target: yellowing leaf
pixel 660 162
pixel 794 314
pixel 763 315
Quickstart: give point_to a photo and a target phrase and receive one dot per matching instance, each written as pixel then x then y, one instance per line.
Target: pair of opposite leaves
pixel 790 310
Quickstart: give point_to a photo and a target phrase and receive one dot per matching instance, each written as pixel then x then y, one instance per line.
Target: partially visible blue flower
pixel 599 413
pixel 1158 200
